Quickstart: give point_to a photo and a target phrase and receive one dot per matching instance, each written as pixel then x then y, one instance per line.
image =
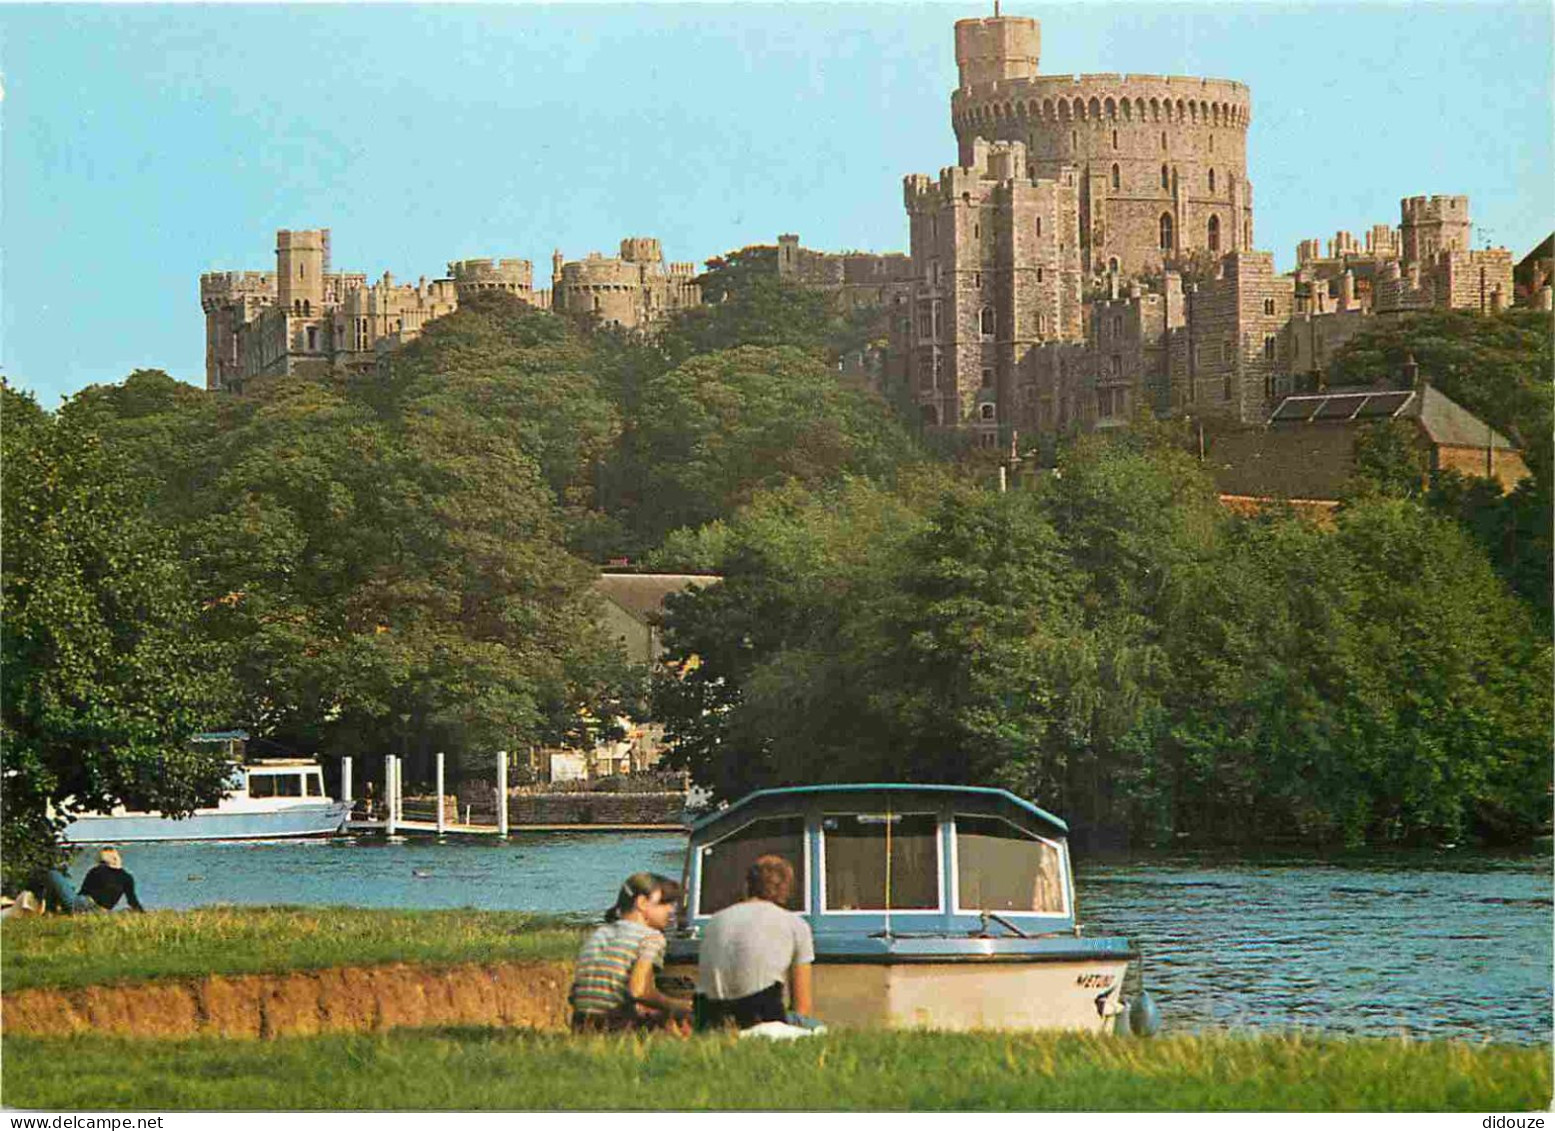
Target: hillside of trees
pixel 402 562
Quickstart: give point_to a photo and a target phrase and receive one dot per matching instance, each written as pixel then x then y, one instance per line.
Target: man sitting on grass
pixel 102 889
pixel 751 950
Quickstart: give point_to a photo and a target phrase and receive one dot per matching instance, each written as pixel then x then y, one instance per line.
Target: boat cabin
pixel 891 859
pixel 281 777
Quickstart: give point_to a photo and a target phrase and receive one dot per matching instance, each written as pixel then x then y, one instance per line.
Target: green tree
pixel 710 433
pixel 107 670
pixel 1500 367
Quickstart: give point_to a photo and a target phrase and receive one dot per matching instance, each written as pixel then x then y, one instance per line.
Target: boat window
pixel 315 782
pixel 725 862
pixel 1000 867
pixel 856 855
pixel 275 785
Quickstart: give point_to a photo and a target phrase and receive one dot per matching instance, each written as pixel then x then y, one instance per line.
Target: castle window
pixel 1163 141
pixel 1166 177
pixel 1227 388
pixel 1212 143
pixel 1268 347
pixel 1214 233
pixel 987 411
pixel 307 307
pixel 986 323
pixel 987 379
pixel 313 338
pixel 1167 243
pixel 1112 264
pixel 1268 306
pixel 1116 366
pixel 977 231
pixel 1212 180
pixel 1039 274
pixel 1114 139
pixel 977 279
pixel 1039 226
pixel 1074 140
pixel 1117 325
pixel 1116 177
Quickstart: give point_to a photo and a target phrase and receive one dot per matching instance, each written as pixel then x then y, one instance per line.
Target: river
pixel 1447 944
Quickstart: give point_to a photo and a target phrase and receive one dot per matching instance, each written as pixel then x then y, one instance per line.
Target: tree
pixel 1501 367
pixel 713 431
pixel 108 670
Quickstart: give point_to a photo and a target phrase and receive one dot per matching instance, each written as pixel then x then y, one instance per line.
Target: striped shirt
pixel 605 964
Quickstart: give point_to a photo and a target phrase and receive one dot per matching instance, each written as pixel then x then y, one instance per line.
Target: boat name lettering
pixel 1094 981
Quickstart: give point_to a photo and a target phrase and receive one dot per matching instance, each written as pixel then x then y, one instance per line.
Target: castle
pixel 1090 256
pixel 303 318
pixel 1049 265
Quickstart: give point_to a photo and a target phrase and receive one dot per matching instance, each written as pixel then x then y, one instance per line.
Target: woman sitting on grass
pixel 613 987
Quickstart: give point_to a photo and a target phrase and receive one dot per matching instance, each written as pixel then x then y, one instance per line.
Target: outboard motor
pixel 1144 1019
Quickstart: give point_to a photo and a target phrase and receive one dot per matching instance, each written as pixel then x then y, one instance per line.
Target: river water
pixel 1448 944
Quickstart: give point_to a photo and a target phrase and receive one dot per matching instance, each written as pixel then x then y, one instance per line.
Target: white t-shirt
pixel 748 946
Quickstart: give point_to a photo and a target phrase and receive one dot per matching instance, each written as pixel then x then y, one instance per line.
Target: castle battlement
pixel 1418 208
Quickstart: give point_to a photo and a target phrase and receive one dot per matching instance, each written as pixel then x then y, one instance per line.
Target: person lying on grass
pixel 751 951
pixel 613 987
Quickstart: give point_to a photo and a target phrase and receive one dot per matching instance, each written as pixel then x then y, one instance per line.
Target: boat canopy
pixel 874 857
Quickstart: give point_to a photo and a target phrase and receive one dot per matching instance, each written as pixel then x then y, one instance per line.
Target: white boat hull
pixel 960 996
pixel 313 818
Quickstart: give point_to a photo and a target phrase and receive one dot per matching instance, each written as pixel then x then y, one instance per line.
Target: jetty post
pixel 502 793
pixel 440 822
pixel 388 794
pixel 345 783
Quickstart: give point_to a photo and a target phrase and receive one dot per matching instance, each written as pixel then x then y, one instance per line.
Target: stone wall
pixel 590 808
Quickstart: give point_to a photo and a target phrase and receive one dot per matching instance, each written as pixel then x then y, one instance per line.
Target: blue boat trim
pixel 881 787
pixel 945 949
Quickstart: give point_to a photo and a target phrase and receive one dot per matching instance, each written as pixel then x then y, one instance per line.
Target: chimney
pixel 1411 372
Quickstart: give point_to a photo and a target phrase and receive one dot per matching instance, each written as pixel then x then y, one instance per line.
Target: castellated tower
pixel 299 270
pixel 996 273
pixel 1431 224
pixel 513 276
pixel 1161 160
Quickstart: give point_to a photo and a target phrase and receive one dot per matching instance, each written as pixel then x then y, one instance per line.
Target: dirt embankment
pixel 527 995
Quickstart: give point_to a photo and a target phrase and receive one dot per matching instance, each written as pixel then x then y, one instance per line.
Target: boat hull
pixel 960 992
pixel 323 818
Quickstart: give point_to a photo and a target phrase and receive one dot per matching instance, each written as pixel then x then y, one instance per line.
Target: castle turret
pixel 299 270
pixel 1432 224
pixel 991 50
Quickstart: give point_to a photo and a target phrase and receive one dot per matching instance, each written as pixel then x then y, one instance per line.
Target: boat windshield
pixel 275 785
pixel 1000 867
pixel 725 862
pixel 880 861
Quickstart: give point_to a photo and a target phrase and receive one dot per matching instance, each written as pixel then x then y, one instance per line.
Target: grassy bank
pixel 61 952
pixel 491 1070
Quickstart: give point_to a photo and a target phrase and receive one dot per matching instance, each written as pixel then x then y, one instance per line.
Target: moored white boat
pixel 944 907
pixel 282 797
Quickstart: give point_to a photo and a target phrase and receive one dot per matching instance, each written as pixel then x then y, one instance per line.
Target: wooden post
pixel 388 794
pixel 345 780
pixel 502 793
pixel 440 822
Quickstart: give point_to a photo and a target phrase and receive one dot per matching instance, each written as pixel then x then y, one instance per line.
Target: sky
pixel 141 145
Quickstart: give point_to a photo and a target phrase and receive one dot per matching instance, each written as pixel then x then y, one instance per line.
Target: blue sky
pixel 141 145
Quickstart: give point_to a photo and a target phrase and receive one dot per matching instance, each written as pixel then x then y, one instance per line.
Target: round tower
pixel 1162 160
pixel 471 276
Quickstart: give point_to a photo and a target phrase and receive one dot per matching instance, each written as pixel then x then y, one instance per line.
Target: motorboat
pixel 931 906
pixel 270 798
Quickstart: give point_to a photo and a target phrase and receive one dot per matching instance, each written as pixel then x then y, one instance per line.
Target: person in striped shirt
pixel 613 985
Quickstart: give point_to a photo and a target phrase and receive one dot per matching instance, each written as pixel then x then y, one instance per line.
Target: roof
pixel 880 787
pixel 1443 420
pixel 220 736
pixel 641 595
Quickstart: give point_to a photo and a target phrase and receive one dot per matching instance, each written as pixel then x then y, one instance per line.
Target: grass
pixel 477 1069
pixel 61 952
